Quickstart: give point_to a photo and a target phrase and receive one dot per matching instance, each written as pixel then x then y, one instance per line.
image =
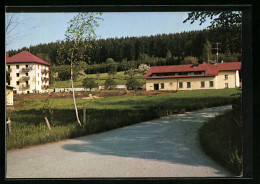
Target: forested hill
pixel 178 45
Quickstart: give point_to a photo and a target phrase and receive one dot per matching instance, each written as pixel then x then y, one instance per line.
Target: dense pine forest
pixel 163 49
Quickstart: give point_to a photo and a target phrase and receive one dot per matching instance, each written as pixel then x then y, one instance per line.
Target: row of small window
pixel 18 74
pixel 18 66
pixel 18 83
pixel 202 84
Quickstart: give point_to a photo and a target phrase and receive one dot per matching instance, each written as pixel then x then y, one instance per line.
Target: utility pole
pixel 217 49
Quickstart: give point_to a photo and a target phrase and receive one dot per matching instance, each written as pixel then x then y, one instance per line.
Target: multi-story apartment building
pixel 191 77
pixel 27 73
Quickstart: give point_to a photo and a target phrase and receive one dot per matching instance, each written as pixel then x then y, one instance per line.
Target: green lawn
pixel 119 78
pixel 102 114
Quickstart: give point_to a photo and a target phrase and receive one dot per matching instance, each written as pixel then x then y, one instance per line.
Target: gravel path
pixel 165 147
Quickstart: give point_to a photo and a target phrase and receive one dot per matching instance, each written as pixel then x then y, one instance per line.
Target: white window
pixel 226 77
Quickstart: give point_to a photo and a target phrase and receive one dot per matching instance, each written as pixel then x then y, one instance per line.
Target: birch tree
pixel 79 37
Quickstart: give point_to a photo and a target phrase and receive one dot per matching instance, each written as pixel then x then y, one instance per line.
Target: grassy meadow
pixel 119 78
pixel 221 138
pixel 29 128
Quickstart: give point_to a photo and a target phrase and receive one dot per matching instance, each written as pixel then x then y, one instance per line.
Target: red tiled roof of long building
pixel 209 69
pixel 25 57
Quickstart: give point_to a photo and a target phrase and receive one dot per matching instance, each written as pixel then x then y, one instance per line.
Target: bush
pixel 132 83
pixel 90 83
pixel 110 84
pixel 64 75
pixel 189 60
pixel 221 138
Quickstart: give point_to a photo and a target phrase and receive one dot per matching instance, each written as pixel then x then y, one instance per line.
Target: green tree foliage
pixel 89 83
pixel 64 75
pixel 44 56
pixel 110 83
pixel 150 50
pixel 132 82
pixel 79 37
pixel 227 24
pixel 110 61
pixel 207 52
pixel 222 19
pixel 112 69
pixel 168 55
pixel 189 60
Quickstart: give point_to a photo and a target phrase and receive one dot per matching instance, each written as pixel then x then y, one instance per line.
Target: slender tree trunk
pixel 73 94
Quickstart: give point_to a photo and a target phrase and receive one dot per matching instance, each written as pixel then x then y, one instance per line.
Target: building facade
pixel 192 77
pixel 27 73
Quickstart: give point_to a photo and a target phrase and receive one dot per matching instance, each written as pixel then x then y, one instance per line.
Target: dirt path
pixel 166 147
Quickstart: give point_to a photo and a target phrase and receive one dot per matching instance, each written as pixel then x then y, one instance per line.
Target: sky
pixel 36 28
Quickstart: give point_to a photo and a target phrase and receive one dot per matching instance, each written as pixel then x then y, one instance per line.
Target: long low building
pixel 192 77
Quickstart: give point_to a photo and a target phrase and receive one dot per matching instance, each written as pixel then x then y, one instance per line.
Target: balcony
pixel 44 71
pixel 45 79
pixel 25 78
pixel 26 69
pixel 9 70
pixel 9 78
pixel 44 87
pixel 26 86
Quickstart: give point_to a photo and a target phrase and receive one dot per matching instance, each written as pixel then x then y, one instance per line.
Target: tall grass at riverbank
pixel 221 138
pixel 28 126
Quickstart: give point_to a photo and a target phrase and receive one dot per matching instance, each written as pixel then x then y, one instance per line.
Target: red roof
pixel 25 57
pixel 208 69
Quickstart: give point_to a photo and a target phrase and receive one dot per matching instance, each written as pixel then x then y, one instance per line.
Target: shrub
pixel 110 84
pixel 189 60
pixel 221 138
pixel 89 83
pixel 132 83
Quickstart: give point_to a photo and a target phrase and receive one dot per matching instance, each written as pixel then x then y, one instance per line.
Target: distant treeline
pixel 177 46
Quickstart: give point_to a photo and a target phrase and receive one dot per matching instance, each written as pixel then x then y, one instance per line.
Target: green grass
pixel 104 113
pixel 119 78
pixel 221 138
